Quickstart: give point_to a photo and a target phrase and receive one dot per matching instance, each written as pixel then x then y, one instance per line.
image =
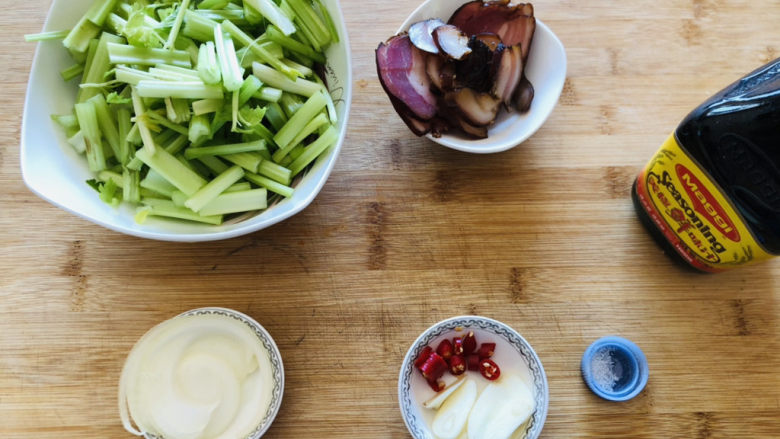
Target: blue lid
pixel 614 368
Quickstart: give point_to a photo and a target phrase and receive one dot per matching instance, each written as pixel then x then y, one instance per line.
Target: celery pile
pixel 198 109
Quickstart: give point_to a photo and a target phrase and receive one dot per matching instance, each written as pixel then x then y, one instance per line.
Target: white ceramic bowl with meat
pixel 479 77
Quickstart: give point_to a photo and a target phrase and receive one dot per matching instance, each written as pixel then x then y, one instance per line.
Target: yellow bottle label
pixel 694 214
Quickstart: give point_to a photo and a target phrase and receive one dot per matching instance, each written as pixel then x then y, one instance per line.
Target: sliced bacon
pixel 451 41
pixel 513 23
pixel 523 96
pixel 510 70
pixel 479 109
pixel 401 70
pixel 421 34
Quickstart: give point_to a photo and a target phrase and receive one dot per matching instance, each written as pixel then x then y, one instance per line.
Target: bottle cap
pixel 614 368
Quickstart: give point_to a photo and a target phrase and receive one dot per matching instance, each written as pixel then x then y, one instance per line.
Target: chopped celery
pixel 275 79
pixel 172 170
pixel 183 89
pixel 222 150
pixel 232 73
pixel 237 201
pixel 208 67
pixel 313 150
pixel 299 120
pixel 44 36
pixel 124 54
pixel 214 188
pixel 152 115
pixel 269 10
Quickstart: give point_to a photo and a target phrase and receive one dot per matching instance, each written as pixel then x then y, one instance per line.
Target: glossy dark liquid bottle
pixel 711 195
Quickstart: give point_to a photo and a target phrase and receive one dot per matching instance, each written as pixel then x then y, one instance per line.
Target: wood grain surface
pixel 406 233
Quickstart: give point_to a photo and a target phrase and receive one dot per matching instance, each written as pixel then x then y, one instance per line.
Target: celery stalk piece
pixel 251 15
pixel 143 128
pixel 198 26
pixel 245 40
pixel 98 66
pixel 274 34
pixel 290 103
pixel 185 89
pixel 116 23
pixel 214 188
pixel 268 94
pixel 178 197
pixel 72 72
pixel 334 34
pixel 239 187
pixel 131 76
pixel 276 79
pixel 269 184
pixel 319 121
pixel 158 119
pixel 275 172
pixel 237 201
pixel 167 75
pixel 131 188
pixel 313 150
pixel 108 193
pixel 157 183
pixel 208 67
pixel 79 37
pixel 180 70
pixel 177 23
pixel 172 170
pixel 276 116
pixel 213 4
pixel 232 73
pixel 117 178
pixel 247 160
pixel 177 110
pixel 99 10
pixel 222 150
pixel 125 54
pixel 77 142
pixel 235 15
pixel 107 123
pixel 66 121
pixel 167 208
pixel 298 121
pixel 200 129
pixel 250 86
pixel 177 144
pixel 45 36
pixel 302 69
pixel 205 106
pixel 215 165
pixel 332 114
pixel 310 20
pixel 269 10
pixel 87 116
pixel 123 125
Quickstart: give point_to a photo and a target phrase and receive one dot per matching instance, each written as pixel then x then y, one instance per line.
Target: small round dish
pixel 614 368
pixel 546 70
pixel 513 353
pixel 272 389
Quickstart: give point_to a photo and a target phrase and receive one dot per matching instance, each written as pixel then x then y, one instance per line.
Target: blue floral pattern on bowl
pixel 417 426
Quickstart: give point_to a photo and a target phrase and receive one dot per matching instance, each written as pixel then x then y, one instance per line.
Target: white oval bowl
pixel 513 353
pixel 274 356
pixel 546 70
pixel 55 172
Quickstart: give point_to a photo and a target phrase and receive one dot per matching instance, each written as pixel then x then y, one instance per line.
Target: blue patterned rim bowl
pixel 273 354
pixel 512 353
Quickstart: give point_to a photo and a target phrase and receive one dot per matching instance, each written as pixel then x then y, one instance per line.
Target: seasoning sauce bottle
pixel 711 195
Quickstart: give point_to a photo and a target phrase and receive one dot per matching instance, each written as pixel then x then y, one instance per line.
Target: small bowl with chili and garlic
pixel 472 377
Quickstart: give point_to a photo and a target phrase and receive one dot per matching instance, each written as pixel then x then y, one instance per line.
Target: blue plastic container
pixel 614 368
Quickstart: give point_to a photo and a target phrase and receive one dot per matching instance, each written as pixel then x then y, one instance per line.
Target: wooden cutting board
pixel 406 233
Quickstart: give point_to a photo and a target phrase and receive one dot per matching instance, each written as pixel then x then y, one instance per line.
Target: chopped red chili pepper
pixel 489 369
pixel 472 362
pixel 437 385
pixel 445 349
pixel 434 367
pixel 424 354
pixel 469 343
pixel 457 344
pixel 486 350
pixel 457 365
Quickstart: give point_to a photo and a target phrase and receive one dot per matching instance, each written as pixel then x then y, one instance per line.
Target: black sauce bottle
pixel 711 195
